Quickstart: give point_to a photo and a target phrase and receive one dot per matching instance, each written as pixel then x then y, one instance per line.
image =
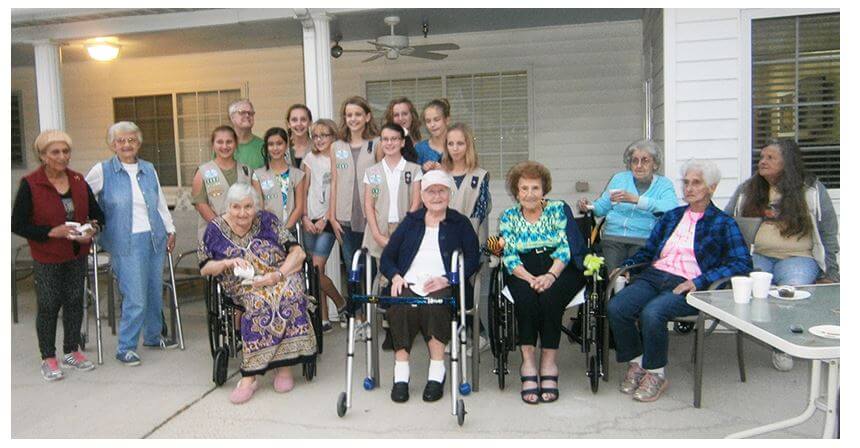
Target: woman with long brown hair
pixel 401 111
pixel 798 241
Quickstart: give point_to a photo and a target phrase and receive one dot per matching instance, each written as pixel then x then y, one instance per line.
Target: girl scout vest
pixel 216 189
pixel 347 173
pixel 380 193
pixel 465 198
pixel 271 183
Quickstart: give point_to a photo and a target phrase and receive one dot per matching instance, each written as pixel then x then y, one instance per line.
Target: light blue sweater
pixel 635 220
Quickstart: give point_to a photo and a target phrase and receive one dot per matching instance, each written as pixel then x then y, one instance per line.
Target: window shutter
pixel 796 71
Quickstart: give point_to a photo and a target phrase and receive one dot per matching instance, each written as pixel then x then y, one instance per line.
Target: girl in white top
pixel 319 236
pixel 386 200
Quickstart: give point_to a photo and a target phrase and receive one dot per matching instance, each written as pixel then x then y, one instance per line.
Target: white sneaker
pixel 362 332
pixel 782 361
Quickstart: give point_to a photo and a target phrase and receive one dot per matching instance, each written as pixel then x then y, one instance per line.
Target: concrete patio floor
pixel 171 395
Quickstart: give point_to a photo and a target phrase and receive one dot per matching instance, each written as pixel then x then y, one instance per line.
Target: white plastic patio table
pixel 769 320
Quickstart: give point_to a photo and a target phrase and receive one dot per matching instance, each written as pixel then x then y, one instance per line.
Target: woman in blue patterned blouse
pixel 537 258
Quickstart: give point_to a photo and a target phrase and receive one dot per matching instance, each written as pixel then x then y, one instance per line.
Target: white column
pixel 317 58
pixel 319 97
pixel 49 86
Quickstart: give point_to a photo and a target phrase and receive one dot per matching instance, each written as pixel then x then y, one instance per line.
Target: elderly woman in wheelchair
pixel 416 262
pixel 542 276
pixel 689 248
pixel 258 264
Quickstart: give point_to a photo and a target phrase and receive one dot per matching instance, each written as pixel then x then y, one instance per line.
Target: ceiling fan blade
pixel 436 47
pixel 426 55
pixel 360 51
pixel 374 57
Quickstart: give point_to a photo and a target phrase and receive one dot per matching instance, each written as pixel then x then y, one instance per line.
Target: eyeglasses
pixel 130 140
pixel 320 136
pixel 247 113
pixel 643 161
pixel 390 139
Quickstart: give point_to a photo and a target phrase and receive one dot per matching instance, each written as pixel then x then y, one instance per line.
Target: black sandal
pixel 549 390
pixel 533 391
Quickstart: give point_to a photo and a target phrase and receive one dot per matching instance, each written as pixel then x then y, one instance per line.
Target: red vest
pixel 48 211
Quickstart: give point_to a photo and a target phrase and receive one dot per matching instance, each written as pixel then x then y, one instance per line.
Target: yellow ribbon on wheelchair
pixel 592 264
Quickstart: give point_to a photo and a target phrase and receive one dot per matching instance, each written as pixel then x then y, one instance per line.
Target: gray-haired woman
pixel 630 202
pixel 138 229
pixel 276 328
pixel 691 247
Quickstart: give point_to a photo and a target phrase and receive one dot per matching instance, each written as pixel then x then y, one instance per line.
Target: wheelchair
pixel 590 329
pixel 370 302
pixel 225 338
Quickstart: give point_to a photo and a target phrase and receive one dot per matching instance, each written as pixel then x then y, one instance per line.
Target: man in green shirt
pixel 249 145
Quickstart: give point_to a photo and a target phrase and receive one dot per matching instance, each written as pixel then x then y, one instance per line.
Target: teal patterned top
pixel 522 236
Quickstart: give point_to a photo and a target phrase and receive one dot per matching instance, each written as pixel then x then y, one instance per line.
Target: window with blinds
pixel 17 132
pixel 796 89
pixel 176 137
pixel 197 114
pixel 154 116
pixel 494 105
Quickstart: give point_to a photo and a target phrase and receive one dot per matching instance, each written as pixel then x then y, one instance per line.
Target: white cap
pixel 436 177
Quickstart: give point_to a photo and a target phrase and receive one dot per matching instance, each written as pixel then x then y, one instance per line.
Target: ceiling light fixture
pixel 103 51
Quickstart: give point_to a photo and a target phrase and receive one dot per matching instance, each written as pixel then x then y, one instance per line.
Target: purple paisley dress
pixel 276 328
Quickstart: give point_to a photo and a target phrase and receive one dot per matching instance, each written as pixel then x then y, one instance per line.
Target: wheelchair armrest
pixel 610 282
pixel 178 259
pixel 719 283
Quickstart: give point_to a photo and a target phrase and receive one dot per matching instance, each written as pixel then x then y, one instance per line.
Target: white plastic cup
pixel 620 283
pixel 760 284
pixel 741 289
pixel 613 191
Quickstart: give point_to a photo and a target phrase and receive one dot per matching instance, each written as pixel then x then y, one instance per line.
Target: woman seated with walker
pixel 416 261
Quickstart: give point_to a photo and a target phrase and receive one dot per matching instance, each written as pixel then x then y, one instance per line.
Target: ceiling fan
pixel 393 46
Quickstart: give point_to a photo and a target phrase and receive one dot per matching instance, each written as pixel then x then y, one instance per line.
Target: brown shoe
pixel 651 387
pixel 634 376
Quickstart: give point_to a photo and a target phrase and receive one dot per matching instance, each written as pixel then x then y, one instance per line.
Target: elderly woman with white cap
pixel 416 261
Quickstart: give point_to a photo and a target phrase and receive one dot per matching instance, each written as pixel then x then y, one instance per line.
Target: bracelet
pixel 280 275
pixel 553 275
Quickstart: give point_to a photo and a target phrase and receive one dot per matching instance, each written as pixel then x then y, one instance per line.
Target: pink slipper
pixel 284 384
pixel 242 394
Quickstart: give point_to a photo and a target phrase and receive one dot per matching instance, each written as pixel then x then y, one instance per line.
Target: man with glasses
pixel 248 149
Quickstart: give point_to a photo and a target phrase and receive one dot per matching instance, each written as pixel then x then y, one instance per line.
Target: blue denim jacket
pixel 718 244
pixel 115 199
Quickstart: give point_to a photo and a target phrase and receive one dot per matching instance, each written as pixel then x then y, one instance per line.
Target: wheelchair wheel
pixel 501 368
pixel 593 374
pixel 219 373
pixel 309 369
pixel 341 404
pixel 461 412
pixel 683 327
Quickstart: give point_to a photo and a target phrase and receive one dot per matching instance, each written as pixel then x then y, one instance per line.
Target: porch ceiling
pixel 353 25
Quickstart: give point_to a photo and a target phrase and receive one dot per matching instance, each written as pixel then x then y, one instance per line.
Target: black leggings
pixel 59 286
pixel 540 314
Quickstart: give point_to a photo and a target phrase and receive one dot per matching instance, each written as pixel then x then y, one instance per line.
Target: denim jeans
pixel 791 271
pixel 351 243
pixel 139 275
pixel 650 300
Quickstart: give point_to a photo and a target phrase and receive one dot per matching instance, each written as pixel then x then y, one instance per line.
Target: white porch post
pixel 319 98
pixel 318 80
pixel 49 86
